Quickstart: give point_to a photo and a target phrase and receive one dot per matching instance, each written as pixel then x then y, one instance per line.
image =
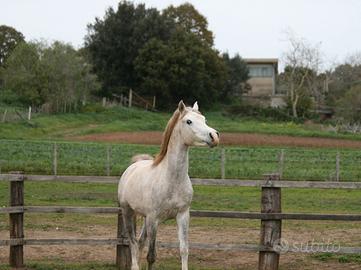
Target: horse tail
pixel 140 157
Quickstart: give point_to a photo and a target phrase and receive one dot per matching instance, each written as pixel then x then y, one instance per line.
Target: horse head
pixel 193 128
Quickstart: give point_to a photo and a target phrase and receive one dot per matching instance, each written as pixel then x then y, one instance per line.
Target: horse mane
pixel 166 137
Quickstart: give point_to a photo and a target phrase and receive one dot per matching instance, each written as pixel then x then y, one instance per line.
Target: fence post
pixel 123 256
pixel 281 163
pixel 29 113
pixel 338 166
pixel 55 159
pixel 153 105
pixel 109 152
pixel 4 116
pixel 16 258
pixel 130 98
pixel 270 229
pixel 223 163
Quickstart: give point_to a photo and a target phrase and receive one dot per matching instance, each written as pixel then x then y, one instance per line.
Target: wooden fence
pixel 271 217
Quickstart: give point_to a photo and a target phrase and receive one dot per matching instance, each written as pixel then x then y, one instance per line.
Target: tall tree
pixel 183 68
pixel 302 60
pixel 9 39
pixel 114 41
pixel 69 77
pixel 237 76
pixel 349 106
pixel 188 18
pixel 58 75
pixel 341 79
pixel 21 77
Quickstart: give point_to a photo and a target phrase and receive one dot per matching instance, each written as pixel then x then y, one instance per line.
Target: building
pixel 263 76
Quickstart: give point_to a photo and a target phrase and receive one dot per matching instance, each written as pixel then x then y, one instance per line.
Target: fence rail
pixel 193 213
pixel 195 181
pixel 271 218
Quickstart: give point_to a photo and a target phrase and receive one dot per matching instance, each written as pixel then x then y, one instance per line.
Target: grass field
pixel 211 198
pixel 124 119
pixel 36 157
pixel 29 147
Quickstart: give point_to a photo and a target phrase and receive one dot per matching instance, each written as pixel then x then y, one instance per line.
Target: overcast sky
pixel 253 28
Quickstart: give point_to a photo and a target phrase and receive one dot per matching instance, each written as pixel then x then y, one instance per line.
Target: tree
pixel 57 75
pixel 9 39
pixel 22 80
pixel 114 41
pixel 349 106
pixel 237 77
pixel 69 77
pixel 166 54
pixel 189 19
pixel 341 79
pixel 303 60
pixel 183 68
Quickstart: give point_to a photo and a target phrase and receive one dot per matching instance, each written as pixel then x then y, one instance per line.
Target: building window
pixel 260 71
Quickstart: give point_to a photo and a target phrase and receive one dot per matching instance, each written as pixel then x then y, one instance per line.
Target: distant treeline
pixel 168 54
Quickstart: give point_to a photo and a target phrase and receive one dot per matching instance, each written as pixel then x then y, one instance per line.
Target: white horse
pixel 160 189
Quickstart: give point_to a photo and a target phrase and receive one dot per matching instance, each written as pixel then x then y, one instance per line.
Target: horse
pixel 160 189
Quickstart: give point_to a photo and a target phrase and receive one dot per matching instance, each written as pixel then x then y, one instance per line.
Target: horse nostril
pixel 210 135
pixel 217 133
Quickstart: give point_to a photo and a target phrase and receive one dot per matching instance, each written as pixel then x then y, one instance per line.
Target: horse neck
pixel 176 159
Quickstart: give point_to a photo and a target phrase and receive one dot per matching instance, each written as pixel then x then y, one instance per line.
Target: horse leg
pixel 129 221
pixel 152 226
pixel 141 240
pixel 183 225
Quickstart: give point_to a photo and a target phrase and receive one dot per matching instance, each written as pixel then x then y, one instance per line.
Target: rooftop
pixel 261 60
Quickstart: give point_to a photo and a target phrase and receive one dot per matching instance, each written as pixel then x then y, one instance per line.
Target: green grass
pixel 342 258
pixel 205 197
pixel 73 158
pixel 62 126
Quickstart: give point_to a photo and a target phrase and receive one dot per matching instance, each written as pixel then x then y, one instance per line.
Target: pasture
pixel 34 154
pixel 208 230
pixel 72 158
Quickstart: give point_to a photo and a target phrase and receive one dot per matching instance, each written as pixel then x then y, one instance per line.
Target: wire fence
pixel 70 158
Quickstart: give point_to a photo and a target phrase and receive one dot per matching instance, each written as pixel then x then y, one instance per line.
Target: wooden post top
pixel 16 176
pixel 271 176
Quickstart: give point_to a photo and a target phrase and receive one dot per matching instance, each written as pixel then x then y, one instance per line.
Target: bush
pixel 92 108
pixel 246 110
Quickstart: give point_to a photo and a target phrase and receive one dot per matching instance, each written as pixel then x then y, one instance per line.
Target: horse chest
pixel 176 201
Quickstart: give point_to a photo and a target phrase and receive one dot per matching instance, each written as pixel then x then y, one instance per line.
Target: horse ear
pixel 195 106
pixel 181 106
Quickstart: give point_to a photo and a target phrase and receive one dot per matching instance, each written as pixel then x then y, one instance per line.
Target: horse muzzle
pixel 214 136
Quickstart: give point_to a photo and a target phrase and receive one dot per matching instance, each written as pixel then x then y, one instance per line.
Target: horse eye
pixel 189 122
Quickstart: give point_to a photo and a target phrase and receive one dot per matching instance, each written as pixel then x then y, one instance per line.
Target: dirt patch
pixel 168 233
pixel 244 139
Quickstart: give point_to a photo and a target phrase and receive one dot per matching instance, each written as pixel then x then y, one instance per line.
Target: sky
pixel 251 28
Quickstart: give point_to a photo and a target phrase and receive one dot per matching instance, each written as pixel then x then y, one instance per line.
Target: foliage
pixel 349 106
pixel 166 54
pixel 189 19
pixel 183 68
pixel 69 76
pixel 9 39
pixel 300 99
pixel 237 76
pixel 24 79
pixel 342 78
pixel 256 112
pixel 55 76
pixel 114 41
